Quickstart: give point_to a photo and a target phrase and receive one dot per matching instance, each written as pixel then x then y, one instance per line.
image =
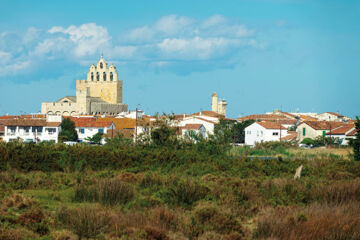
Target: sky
pixel 258 55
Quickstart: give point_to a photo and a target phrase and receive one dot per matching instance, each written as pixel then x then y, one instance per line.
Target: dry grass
pixel 341 152
pixel 322 222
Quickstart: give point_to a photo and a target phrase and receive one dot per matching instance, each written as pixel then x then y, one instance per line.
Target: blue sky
pixel 259 55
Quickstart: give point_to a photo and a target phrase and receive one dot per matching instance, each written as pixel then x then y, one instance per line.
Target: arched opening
pixel 92 76
pixel 104 76
pixel 101 65
pixel 66 113
pixel 111 76
pixel 50 113
pixel 97 76
pixel 58 113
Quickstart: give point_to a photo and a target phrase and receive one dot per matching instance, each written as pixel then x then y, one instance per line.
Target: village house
pixel 87 127
pixel 264 131
pixel 331 116
pixel 32 129
pixel 193 128
pixel 342 134
pixel 313 129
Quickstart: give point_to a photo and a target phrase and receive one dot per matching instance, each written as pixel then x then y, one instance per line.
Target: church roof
pixel 71 98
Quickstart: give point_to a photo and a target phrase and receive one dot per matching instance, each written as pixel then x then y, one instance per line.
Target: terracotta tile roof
pixel 120 123
pixel 209 114
pixel 89 122
pixel 53 124
pixel 290 137
pixel 271 125
pixel 335 114
pixel 127 133
pixel 192 126
pixel 288 115
pixel 261 117
pixel 323 125
pixel 25 122
pixel 342 130
pixel 2 128
pixel 352 133
pixel 286 121
pixel 308 118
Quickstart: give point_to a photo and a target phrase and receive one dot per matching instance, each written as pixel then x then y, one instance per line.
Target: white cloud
pixel 88 38
pixel 161 43
pixel 195 48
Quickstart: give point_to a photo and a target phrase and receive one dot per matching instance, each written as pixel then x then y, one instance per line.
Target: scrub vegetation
pixel 168 188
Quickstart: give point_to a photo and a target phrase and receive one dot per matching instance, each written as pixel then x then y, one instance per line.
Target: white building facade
pixel 259 132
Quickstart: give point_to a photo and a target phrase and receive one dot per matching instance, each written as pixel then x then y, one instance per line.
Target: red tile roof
pixel 323 125
pixel 25 122
pixel 53 124
pixel 308 118
pixel 209 114
pixel 335 114
pixel 263 117
pixel 352 133
pixel 120 123
pixel 89 122
pixel 290 137
pixel 192 126
pixel 342 130
pixel 126 133
pixel 271 125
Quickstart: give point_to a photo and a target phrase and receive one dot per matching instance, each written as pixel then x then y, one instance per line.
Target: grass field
pixel 229 198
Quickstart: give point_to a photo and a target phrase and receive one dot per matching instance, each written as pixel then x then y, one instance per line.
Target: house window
pixel 82 131
pixel 248 132
pixel 37 129
pixel 304 131
pixel 101 130
pixel 275 133
pixel 51 131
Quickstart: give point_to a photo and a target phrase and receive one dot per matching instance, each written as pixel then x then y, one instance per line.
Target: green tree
pixel 68 132
pixel 96 138
pixel 356 142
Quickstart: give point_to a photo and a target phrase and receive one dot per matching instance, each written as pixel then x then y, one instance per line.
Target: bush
pixel 107 192
pixel 85 222
pixel 185 192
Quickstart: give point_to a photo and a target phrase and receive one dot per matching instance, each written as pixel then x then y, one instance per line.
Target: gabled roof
pixel 291 137
pixel 323 125
pixel 24 122
pixel 127 133
pixel 192 126
pixel 70 98
pixel 271 125
pixel 308 118
pixel 53 124
pixel 120 123
pixel 263 117
pixel 89 122
pixel 352 133
pixel 209 114
pixel 342 130
pixel 335 114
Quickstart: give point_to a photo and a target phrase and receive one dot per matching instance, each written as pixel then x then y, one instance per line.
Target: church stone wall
pixel 110 92
pixel 106 108
pixel 65 109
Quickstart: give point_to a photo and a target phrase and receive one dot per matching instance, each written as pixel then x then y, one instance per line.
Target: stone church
pixel 100 93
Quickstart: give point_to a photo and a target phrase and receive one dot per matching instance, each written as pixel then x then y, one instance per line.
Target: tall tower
pixel 214 102
pixel 103 82
pixel 218 106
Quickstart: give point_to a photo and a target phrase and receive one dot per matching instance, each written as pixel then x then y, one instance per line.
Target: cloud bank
pixel 175 43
